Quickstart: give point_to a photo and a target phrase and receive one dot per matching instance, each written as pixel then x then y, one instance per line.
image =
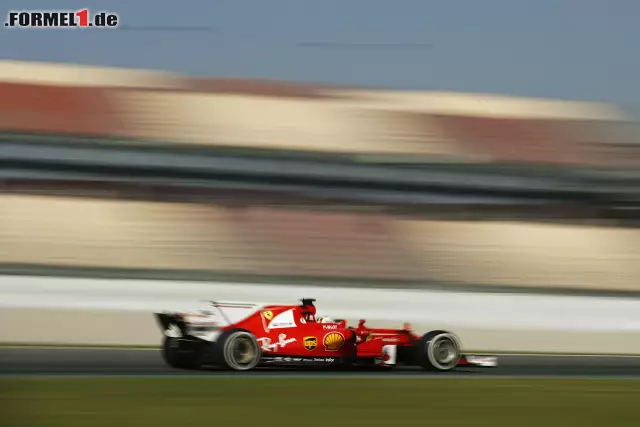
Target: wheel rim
pixel 241 353
pixel 444 352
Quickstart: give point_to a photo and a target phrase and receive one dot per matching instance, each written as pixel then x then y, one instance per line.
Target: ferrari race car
pixel 241 337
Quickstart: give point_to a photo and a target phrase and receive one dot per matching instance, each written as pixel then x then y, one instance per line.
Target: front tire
pixel 238 350
pixel 439 351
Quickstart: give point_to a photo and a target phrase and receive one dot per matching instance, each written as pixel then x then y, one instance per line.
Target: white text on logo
pixel 266 344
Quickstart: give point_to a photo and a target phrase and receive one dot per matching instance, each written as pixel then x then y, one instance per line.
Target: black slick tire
pixel 237 350
pixel 176 357
pixel 438 351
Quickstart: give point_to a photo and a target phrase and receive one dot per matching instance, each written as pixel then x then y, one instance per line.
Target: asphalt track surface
pixel 66 362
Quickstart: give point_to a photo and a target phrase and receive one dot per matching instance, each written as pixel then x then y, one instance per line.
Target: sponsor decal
pixel 283 320
pixel 267 314
pixel 280 325
pixel 266 344
pixel 60 19
pixel 333 341
pixel 301 360
pixel 310 343
pixel 388 356
pixel 330 327
pixel 390 340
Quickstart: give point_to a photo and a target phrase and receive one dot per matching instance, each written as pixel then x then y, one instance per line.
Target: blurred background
pixel 126 169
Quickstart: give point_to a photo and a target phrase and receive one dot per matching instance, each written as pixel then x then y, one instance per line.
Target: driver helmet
pixel 325 319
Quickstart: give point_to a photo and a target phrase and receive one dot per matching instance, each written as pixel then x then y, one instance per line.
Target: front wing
pixel 478 361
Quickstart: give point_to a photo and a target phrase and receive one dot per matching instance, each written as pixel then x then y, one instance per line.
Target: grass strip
pixel 319 402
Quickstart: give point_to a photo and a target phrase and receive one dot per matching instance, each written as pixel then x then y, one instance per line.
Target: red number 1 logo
pixel 84 17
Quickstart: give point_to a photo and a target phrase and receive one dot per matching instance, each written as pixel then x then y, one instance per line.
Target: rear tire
pixel 176 357
pixel 237 350
pixel 439 351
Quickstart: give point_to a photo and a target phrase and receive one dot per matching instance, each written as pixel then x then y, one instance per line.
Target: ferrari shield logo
pixel 310 343
pixel 267 315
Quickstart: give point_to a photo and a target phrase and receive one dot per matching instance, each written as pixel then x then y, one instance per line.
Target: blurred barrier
pixel 90 311
pixel 142 166
pixel 82 232
pixel 162 107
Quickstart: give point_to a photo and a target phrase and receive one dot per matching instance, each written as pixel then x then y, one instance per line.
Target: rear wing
pixel 210 313
pixel 232 311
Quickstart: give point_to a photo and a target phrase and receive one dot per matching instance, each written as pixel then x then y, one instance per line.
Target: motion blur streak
pixel 511 221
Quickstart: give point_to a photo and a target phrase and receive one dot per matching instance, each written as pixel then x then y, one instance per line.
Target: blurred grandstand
pixel 114 170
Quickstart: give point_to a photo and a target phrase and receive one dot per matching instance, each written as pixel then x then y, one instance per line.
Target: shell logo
pixel 267 315
pixel 333 341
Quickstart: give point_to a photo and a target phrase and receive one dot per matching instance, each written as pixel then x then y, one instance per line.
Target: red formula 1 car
pixel 241 337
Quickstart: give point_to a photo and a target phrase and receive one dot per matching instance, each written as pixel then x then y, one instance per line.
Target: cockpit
pixel 309 317
pixel 308 311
